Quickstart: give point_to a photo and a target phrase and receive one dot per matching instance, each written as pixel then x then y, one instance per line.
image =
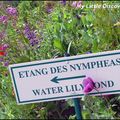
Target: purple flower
pixel 63 2
pixel 3 19
pixel 2 35
pixel 6 63
pixel 1 59
pixel 49 10
pixel 74 4
pixel 88 85
pixel 30 35
pixel 88 52
pixel 78 16
pixel 11 11
pixel 107 96
pixel 5 46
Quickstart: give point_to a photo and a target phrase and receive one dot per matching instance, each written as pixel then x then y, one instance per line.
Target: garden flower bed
pixel 39 30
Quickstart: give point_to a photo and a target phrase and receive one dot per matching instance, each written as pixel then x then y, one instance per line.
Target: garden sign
pixel 61 78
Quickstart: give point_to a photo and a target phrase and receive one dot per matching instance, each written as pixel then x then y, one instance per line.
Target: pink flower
pixel 74 4
pixel 88 85
pixel 3 19
pixel 3 50
pixel 77 4
pixel 4 47
pixel 11 11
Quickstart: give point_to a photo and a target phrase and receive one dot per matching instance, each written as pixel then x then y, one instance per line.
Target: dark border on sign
pixel 54 98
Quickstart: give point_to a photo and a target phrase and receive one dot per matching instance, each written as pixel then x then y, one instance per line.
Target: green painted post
pixel 77 108
pixel 76 103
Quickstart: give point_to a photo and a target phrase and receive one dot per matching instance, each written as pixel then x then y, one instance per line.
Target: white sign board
pixel 62 78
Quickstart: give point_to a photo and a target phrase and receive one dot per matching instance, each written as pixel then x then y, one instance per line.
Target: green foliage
pixel 8 107
pixel 58 44
pixel 98 108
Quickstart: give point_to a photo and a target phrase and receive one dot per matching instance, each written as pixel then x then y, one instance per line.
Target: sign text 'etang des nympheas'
pixel 62 78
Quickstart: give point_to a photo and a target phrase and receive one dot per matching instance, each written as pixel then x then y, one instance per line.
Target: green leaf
pixel 58 44
pixel 72 117
pixel 84 21
pixel 70 102
pixel 85 115
pixel 95 46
